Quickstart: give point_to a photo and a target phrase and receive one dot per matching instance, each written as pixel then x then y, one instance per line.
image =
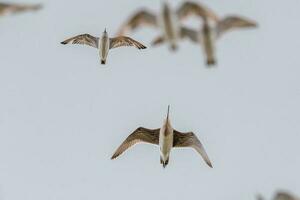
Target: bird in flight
pixel 168 22
pixel 9 8
pixel 208 34
pixel 104 43
pixel 166 138
pixel 282 195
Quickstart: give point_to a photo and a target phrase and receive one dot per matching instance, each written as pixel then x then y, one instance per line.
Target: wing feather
pixel 139 135
pixel 233 22
pixel 141 18
pixel 190 140
pixel 6 8
pixel 84 39
pixel 125 41
pixel 192 8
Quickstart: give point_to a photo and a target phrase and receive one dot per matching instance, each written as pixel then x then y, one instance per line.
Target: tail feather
pixel 103 62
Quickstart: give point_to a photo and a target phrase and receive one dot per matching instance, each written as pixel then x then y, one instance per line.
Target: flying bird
pixel 104 43
pixel 168 22
pixel 9 8
pixel 282 195
pixel 166 138
pixel 208 34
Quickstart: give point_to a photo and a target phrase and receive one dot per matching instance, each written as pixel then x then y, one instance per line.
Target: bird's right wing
pixel 283 195
pixel 141 18
pixel 84 39
pixel 6 8
pixel 139 135
pixel 190 140
pixel 190 34
pixel 233 22
pixel 125 41
pixel 192 8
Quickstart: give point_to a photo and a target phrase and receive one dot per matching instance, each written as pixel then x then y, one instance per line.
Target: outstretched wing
pixel 141 18
pixel 192 8
pixel 282 195
pixel 190 140
pixel 84 39
pixel 125 41
pixel 139 135
pixel 6 8
pixel 233 22
pixel 190 34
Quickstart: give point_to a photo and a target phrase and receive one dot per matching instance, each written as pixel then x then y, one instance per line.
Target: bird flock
pixel 169 23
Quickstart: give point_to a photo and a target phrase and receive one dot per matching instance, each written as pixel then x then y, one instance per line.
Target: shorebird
pixel 104 43
pixel 167 21
pixel 281 195
pixel 208 34
pixel 8 8
pixel 166 138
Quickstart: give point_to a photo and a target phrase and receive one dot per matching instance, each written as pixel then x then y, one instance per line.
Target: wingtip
pixel 64 42
pixel 210 165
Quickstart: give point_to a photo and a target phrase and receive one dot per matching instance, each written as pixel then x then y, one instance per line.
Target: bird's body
pixel 104 43
pixel 170 27
pixel 209 34
pixel 208 43
pixel 166 138
pixel 104 47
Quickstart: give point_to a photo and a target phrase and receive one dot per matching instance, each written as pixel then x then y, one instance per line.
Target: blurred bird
pixel 7 8
pixel 104 43
pixel 282 195
pixel 167 21
pixel 208 34
pixel 167 138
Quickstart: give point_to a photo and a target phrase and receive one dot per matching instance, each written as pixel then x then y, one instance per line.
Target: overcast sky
pixel 62 114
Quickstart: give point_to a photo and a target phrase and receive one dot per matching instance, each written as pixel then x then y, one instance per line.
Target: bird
pixel 168 22
pixel 104 43
pixel 8 8
pixel 282 195
pixel 209 33
pixel 166 138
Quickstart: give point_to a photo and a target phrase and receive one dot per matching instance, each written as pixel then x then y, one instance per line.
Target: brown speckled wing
pixel 84 39
pixel 15 8
pixel 192 8
pixel 282 195
pixel 233 22
pixel 125 41
pixel 142 18
pixel 139 135
pixel 190 140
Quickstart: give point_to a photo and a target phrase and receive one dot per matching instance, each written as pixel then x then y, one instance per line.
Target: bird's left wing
pixel 233 22
pixel 190 140
pixel 84 39
pixel 125 41
pixel 192 8
pixel 139 135
pixel 141 18
pixel 6 8
pixel 283 195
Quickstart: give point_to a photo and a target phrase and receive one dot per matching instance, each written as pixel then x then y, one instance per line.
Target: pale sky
pixel 62 114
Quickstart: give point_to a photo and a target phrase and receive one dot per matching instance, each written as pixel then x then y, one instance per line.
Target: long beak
pixel 168 113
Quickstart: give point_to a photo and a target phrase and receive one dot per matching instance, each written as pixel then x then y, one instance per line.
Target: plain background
pixel 62 114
